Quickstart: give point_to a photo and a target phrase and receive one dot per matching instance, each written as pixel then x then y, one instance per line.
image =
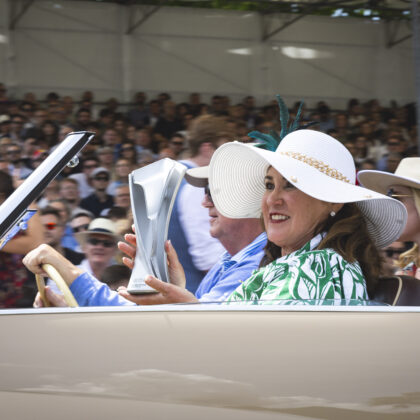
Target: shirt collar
pixel 259 241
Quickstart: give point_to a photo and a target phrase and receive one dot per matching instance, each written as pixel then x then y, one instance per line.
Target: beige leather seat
pixel 398 291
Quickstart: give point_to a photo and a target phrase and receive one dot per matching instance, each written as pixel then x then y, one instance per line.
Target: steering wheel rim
pixel 55 276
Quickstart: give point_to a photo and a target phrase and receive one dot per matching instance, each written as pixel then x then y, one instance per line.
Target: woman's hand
pixel 167 293
pixel 45 254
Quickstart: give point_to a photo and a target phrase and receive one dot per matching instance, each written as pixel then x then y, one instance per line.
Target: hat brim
pixel 236 176
pixel 381 181
pixel 198 177
pixel 82 236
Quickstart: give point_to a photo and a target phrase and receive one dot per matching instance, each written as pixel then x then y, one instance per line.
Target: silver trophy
pixel 153 189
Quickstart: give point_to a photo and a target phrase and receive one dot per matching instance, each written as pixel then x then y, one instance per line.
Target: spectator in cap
pixel 99 200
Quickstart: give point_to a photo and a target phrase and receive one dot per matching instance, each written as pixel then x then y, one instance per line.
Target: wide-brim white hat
pixel 407 174
pixel 102 226
pixel 316 164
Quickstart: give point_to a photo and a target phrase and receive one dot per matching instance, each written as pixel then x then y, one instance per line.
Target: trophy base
pixel 138 287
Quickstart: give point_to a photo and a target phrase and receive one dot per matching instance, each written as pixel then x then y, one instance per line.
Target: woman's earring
pixel 333 213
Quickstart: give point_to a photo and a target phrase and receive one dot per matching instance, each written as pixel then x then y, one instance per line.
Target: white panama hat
pixel 407 174
pixel 314 162
pixel 102 226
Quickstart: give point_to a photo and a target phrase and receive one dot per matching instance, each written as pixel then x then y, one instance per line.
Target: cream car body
pixel 211 361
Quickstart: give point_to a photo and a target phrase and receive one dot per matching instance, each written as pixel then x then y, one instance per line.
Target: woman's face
pixel 412 228
pixel 290 216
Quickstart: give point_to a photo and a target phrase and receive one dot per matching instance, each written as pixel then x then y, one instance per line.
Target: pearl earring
pixel 333 213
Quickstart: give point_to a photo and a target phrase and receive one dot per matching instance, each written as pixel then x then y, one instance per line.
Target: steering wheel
pixel 54 275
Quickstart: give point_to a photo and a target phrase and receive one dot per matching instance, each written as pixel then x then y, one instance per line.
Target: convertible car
pixel 248 360
pixel 207 361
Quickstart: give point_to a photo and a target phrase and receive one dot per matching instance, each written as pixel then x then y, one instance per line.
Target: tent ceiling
pixel 370 9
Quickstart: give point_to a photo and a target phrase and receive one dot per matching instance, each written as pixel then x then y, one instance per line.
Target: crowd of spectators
pixel 154 128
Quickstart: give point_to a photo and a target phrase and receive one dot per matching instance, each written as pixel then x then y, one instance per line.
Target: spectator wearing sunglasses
pixel 54 227
pixel 99 200
pixel 99 244
pixel 391 255
pixel 79 222
pixel 17 167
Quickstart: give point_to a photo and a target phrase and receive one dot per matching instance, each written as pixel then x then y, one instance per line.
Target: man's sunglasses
pixel 104 242
pixel 80 228
pixel 208 193
pixel 51 226
pixel 101 178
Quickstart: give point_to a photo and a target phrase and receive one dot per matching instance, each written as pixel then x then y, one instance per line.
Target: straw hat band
pixel 317 164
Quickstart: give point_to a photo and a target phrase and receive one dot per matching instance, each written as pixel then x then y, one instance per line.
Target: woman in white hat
pixel 404 185
pixel 324 231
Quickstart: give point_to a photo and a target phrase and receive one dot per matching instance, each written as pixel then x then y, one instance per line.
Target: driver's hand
pixel 54 299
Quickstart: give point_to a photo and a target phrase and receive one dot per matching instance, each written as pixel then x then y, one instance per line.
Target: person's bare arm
pixel 29 239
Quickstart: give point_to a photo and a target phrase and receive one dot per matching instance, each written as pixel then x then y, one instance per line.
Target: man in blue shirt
pixel 243 240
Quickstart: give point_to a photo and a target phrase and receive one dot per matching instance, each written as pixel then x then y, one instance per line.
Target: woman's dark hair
pixel 347 235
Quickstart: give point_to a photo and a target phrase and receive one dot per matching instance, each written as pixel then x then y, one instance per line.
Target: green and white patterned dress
pixel 306 274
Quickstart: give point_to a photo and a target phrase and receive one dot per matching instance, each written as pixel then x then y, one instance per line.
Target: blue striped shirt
pixel 225 276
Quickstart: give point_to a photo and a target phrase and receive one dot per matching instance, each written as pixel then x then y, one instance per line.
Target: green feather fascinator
pixel 272 140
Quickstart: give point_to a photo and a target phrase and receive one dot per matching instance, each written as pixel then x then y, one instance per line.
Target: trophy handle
pixel 153 189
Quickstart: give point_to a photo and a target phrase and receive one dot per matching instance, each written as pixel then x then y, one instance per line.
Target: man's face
pixel 106 157
pixel 84 117
pixel 122 197
pixel 176 144
pixel 99 248
pixel 100 181
pixel 64 131
pixel 89 166
pixel 13 154
pixel 143 138
pixel 221 227
pixel 110 137
pixel 17 124
pixel 122 168
pixel 80 224
pixel 40 117
pixel 69 191
pixel 53 229
pixel 62 210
